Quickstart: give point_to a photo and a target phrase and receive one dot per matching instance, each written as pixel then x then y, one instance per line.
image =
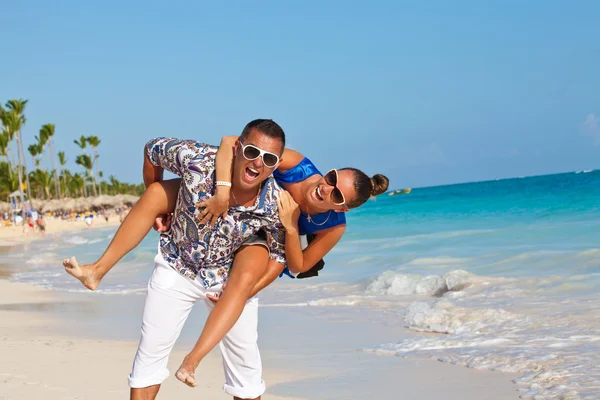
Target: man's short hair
pixel 264 126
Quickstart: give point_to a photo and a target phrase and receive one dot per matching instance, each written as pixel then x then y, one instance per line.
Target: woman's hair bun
pixel 380 184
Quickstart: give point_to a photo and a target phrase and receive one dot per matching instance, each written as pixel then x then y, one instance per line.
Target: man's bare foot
pixel 85 274
pixel 186 377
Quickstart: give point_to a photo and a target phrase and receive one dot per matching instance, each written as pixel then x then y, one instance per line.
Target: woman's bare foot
pixel 185 373
pixel 85 274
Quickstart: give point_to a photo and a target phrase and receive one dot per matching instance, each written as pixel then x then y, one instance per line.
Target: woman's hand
pixel 214 298
pixel 214 207
pixel 289 211
pixel 162 223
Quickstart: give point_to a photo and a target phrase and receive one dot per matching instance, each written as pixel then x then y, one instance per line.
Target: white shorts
pixel 169 301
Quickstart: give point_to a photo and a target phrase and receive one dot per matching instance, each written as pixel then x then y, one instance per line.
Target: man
pixel 194 258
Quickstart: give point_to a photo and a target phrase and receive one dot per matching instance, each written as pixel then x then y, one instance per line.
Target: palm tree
pixel 12 124
pixel 101 183
pixel 35 150
pixel 62 160
pixel 18 107
pixel 8 183
pixel 115 184
pixel 77 184
pixel 94 142
pixel 81 143
pixel 47 132
pixel 9 138
pixel 4 147
pixel 43 179
pixel 86 162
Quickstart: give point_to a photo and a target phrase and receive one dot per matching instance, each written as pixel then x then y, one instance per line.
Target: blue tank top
pixel 319 222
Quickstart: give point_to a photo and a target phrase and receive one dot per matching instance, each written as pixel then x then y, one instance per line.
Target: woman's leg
pixel 249 265
pixel 159 198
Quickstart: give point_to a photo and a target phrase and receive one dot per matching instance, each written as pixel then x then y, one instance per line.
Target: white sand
pixel 39 361
pixel 36 363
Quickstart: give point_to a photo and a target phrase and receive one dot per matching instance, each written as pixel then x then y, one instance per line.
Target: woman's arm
pixel 218 204
pixel 324 241
pixel 318 248
pixel 289 212
pixel 289 160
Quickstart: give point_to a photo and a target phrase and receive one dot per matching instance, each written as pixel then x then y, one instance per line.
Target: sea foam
pixel 398 284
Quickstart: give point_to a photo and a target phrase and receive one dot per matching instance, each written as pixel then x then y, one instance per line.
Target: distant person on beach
pixel 89 219
pixel 334 193
pixel 41 224
pixel 123 214
pixel 195 258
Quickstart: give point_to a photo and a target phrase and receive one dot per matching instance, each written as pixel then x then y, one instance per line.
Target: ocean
pixel 498 275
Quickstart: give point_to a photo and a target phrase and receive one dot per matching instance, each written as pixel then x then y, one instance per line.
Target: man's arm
pixel 174 155
pixel 152 173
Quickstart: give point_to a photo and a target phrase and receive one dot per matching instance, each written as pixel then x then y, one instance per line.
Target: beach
pixel 490 296
pixel 75 344
pixel 43 357
pixel 40 359
pixel 12 235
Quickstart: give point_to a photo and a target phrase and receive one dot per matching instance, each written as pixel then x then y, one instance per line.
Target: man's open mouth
pixel 250 174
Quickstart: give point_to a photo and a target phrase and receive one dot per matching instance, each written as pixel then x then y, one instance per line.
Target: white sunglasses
pixel 251 152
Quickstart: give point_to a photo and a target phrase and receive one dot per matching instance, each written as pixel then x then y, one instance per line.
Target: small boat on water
pixel 399 191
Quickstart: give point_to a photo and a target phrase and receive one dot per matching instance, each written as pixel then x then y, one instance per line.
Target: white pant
pixel 169 301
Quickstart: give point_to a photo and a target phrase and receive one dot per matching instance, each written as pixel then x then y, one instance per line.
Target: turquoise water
pixel 485 222
pixel 493 275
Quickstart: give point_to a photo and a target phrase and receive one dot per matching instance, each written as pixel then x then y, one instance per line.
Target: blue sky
pixel 429 92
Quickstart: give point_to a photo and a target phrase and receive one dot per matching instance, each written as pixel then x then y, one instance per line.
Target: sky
pixel 425 92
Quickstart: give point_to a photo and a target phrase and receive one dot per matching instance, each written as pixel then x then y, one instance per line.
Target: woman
pixel 316 206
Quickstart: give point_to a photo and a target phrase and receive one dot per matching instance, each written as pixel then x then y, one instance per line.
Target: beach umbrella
pixel 81 204
pixel 68 205
pixel 103 202
pixel 5 207
pixel 38 204
pixel 52 205
pixel 130 200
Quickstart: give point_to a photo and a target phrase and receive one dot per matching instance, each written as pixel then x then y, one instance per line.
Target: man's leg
pixel 248 266
pixel 169 301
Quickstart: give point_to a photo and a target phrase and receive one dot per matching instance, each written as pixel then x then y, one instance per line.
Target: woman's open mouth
pixel 317 194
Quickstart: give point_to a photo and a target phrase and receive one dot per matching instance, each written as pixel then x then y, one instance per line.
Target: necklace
pixel 322 223
pixel 234 199
pixel 237 203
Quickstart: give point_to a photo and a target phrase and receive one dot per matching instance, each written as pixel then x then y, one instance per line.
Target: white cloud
pixel 591 128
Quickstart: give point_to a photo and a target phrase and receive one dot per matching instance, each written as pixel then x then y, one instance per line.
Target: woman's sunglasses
pixel 251 152
pixel 331 178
